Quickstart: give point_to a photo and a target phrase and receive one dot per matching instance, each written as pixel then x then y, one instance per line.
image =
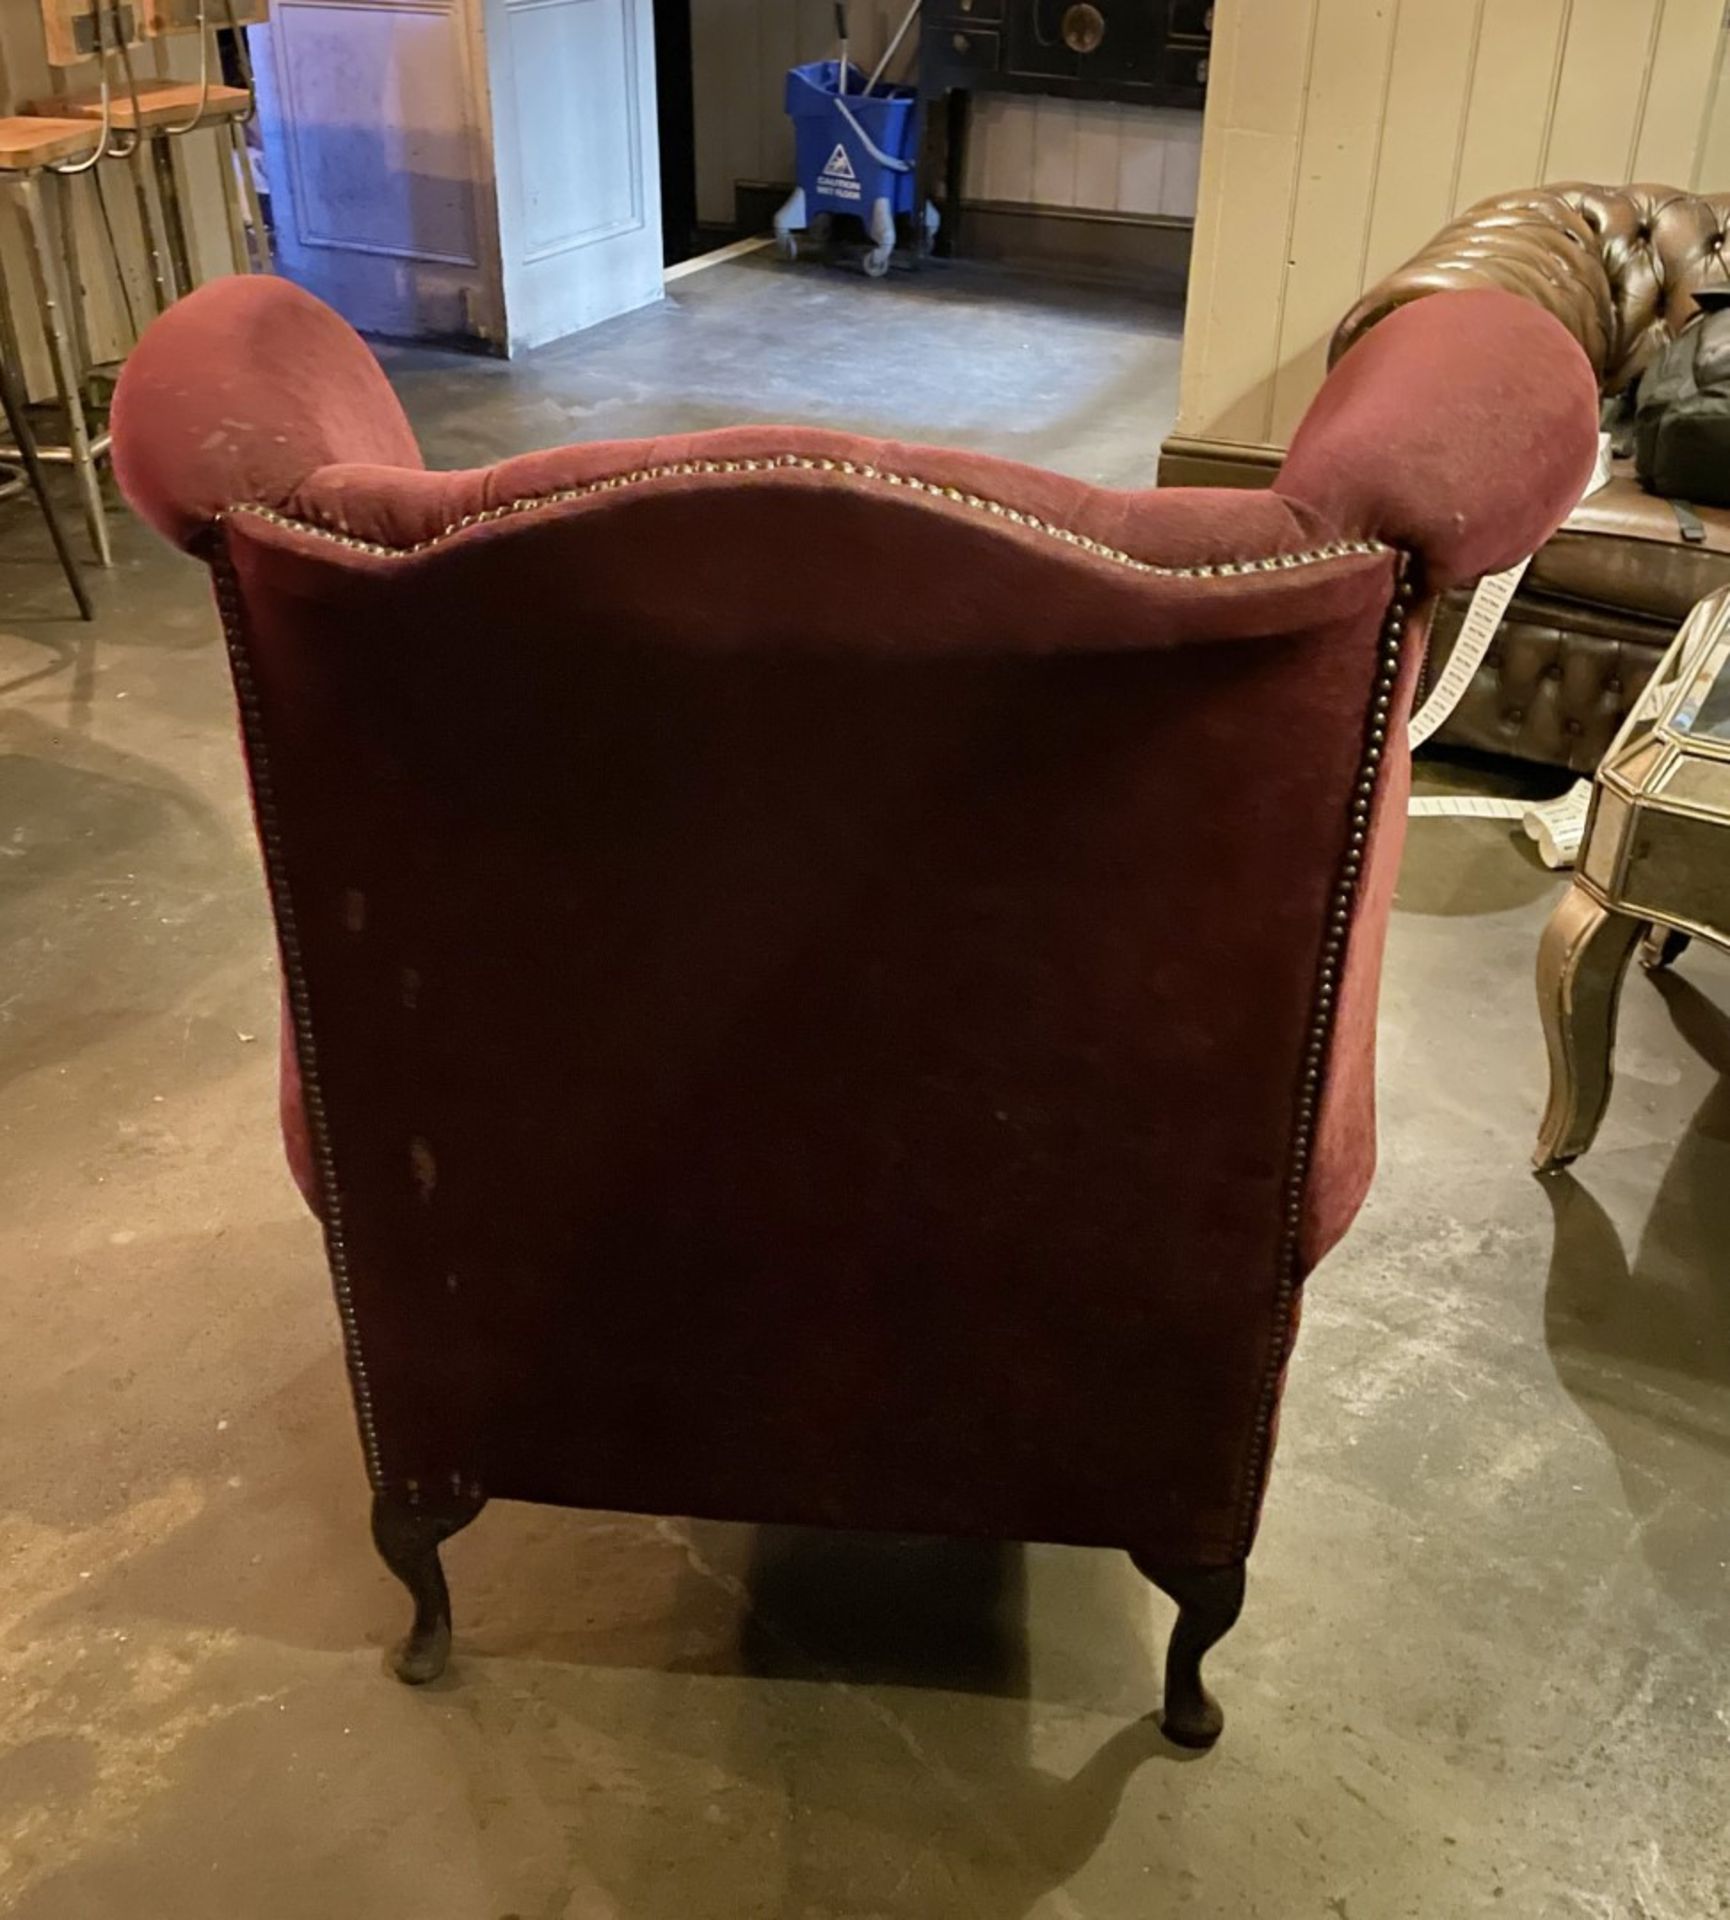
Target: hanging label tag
pixel 1559 825
pixel 1489 603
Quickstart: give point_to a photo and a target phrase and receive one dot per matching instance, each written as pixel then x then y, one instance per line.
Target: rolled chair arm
pixel 1461 431
pixel 1536 245
pixel 189 436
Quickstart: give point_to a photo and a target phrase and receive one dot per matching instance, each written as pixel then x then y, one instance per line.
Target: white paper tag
pixel 1558 825
pixel 1478 629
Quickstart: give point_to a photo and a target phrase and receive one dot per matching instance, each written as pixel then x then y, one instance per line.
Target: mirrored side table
pixel 1653 871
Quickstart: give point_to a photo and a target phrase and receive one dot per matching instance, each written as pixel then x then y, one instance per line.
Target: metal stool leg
pixel 232 159
pixel 173 218
pixel 66 214
pixel 18 421
pixel 159 278
pixel 54 302
pixel 249 193
pixel 10 350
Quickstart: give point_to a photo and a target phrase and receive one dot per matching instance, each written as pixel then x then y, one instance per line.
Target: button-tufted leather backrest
pixel 1618 266
pixel 1659 246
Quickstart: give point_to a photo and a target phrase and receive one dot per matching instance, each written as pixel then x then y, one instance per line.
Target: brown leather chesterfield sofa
pixel 843 1058
pixel 1618 266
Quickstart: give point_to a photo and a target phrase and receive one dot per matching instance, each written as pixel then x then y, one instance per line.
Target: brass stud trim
pixel 294 974
pixel 1307 1097
pixel 806 463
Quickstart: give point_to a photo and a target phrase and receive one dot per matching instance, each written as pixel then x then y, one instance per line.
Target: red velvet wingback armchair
pixel 767 1049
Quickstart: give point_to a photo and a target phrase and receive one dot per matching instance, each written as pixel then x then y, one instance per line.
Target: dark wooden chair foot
pixel 1662 947
pixel 1209 1600
pixel 408 1535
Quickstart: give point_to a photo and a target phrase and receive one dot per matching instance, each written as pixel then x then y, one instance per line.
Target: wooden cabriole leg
pixel 1209 1600
pixel 408 1534
pixel 1581 961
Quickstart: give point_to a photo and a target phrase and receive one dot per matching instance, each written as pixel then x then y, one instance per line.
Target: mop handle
pixel 907 20
pixel 841 34
pixel 871 147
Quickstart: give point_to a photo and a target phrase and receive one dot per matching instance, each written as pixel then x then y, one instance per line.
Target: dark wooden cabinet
pixel 1152 51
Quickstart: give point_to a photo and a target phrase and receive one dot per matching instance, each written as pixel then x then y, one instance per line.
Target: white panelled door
pixel 575 144
pixel 465 169
pixel 378 150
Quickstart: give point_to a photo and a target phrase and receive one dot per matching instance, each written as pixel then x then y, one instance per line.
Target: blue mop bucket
pixel 855 148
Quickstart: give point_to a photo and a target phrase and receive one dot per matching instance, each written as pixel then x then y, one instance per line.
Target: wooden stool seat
pixel 27 142
pixel 161 103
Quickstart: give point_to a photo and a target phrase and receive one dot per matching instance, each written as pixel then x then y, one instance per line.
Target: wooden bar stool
pixel 161 111
pixel 12 404
pixel 30 149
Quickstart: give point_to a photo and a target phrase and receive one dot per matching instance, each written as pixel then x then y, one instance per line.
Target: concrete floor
pixel 1485 1668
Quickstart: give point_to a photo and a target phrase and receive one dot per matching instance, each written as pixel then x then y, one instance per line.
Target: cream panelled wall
pixel 1341 133
pixel 1087 154
pixel 1056 153
pixel 25 76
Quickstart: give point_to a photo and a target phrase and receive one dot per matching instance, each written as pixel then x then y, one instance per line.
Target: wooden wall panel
pixel 710 127
pixel 1678 94
pixel 1054 143
pixel 1602 87
pixel 1341 133
pixel 1351 67
pixel 777 50
pixel 1434 48
pixel 740 74
pixel 1000 163
pixel 1513 92
pixel 1711 171
pixel 1249 173
pixel 1086 154
pixel 1098 151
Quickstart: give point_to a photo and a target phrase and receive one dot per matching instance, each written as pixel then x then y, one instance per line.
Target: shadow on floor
pixel 1634 1338
pixel 875 1715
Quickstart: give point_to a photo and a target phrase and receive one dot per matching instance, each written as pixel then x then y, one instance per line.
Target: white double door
pixel 481 170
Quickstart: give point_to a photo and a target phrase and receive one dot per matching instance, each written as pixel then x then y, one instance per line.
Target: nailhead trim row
pixel 1308 1103
pixel 806 463
pixel 294 973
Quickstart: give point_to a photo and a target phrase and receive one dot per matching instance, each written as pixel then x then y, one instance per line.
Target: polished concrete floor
pixel 1485 1668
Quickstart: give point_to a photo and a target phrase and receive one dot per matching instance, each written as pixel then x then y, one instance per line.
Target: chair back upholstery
pixel 832 981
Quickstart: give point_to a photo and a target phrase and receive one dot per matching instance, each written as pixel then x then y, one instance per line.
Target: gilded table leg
pixel 1581 961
